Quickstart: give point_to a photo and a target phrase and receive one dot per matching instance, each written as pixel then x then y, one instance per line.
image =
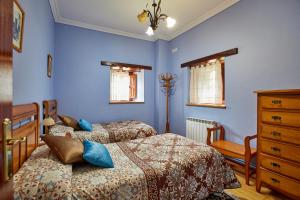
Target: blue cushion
pixel 97 154
pixel 85 125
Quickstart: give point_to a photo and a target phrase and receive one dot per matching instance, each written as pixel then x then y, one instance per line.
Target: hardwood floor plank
pixel 249 192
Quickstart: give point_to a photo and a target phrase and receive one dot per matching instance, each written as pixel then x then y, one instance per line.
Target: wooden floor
pixel 249 192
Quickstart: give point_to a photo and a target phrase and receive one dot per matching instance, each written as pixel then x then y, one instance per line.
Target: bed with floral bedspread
pixel 108 132
pixel 165 166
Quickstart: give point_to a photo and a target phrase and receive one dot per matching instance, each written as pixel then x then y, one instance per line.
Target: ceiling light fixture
pixel 155 18
pixel 149 31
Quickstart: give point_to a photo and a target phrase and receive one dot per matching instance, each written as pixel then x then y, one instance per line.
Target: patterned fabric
pixel 98 134
pixel 60 130
pixel 109 132
pixel 128 130
pixel 160 167
pixel 43 176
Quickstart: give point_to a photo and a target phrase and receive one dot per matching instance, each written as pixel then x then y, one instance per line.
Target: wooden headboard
pixel 25 124
pixel 49 110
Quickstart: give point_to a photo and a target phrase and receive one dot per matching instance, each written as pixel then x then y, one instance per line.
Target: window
pixel 207 84
pixel 126 85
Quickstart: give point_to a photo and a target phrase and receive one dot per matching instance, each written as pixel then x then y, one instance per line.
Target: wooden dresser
pixel 278 142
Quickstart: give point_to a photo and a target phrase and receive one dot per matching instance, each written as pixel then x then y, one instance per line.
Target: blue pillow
pixel 85 125
pixel 97 154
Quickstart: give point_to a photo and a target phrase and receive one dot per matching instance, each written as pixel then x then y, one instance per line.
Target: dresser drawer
pixel 281 134
pixel 288 151
pixel 283 183
pixel 280 166
pixel 281 118
pixel 292 102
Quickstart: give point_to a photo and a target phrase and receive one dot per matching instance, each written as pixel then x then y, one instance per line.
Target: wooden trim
pixel 222 106
pixel 126 102
pixel 133 86
pixel 214 131
pixel 6 94
pixel 223 80
pixel 288 91
pixel 214 56
pixel 31 130
pixel 112 64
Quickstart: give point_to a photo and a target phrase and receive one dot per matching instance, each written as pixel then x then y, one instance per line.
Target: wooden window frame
pixel 131 98
pixel 117 64
pixel 132 86
pixel 126 102
pixel 205 59
pixel 212 105
pixel 131 68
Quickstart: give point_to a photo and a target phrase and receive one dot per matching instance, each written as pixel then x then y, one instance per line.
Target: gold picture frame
pixel 18 26
pixel 49 66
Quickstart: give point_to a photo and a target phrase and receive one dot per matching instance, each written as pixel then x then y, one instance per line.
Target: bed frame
pixel 25 125
pixel 49 110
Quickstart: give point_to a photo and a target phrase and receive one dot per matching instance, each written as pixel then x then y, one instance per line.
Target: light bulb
pixel 150 31
pixel 170 22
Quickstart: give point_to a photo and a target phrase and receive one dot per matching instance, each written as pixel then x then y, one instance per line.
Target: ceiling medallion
pixel 155 18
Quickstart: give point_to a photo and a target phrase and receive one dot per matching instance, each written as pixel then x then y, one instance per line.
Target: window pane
pixel 206 84
pixel 119 86
pixel 127 85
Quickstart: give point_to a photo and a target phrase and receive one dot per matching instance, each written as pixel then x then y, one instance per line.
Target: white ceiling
pixel 120 16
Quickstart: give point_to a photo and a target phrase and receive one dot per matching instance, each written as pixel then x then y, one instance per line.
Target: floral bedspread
pixel 128 130
pixel 43 176
pixel 166 166
pixel 60 130
pixel 109 132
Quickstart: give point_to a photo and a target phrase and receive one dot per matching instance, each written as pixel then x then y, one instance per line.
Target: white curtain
pixel 119 85
pixel 206 85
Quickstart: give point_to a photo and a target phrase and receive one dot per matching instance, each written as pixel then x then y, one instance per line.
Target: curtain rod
pixel 210 57
pixel 116 64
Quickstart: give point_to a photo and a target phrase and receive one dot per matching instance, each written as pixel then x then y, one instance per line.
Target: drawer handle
pixel 275 164
pixel 276 118
pixel 274 180
pixel 275 149
pixel 276 134
pixel 276 102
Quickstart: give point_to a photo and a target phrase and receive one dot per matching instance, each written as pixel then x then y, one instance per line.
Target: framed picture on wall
pixel 18 26
pixel 49 66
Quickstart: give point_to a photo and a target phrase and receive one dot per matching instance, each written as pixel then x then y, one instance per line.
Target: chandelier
pixel 155 17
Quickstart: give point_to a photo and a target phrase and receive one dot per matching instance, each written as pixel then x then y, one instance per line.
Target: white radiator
pixel 196 129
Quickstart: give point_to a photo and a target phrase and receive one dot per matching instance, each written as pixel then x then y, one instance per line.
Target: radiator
pixel 196 129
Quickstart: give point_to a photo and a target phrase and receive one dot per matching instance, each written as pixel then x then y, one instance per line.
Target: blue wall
pixel 30 81
pixel 267 35
pixel 82 84
pixel 162 65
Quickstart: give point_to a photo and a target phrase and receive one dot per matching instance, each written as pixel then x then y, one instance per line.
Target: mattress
pixel 108 132
pixel 165 166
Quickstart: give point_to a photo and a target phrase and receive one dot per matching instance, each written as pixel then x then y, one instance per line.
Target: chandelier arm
pixel 158 8
pixel 163 16
pixel 150 16
pixel 159 4
pixel 155 8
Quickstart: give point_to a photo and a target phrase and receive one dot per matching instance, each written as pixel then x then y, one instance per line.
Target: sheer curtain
pixel 206 84
pixel 119 86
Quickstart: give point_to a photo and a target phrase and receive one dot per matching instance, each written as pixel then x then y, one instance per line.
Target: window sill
pixel 222 106
pixel 126 102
